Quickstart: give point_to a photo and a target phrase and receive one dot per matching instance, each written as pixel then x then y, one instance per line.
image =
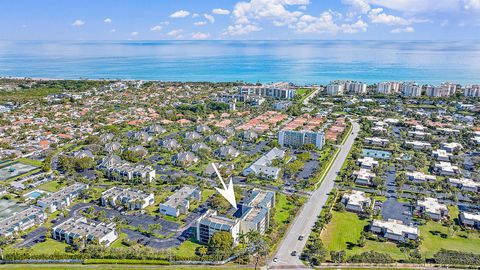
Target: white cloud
pixel 78 23
pixel 471 5
pixel 302 7
pixel 180 14
pixel 311 24
pixel 195 15
pixel 407 29
pixel 379 17
pixel 219 11
pixel 200 35
pixel 357 6
pixel 156 28
pixel 113 30
pixel 107 20
pixel 175 32
pixel 418 6
pixel 209 18
pixel 200 23
pixel 240 29
pixel 133 34
pixel 359 26
pixel 276 10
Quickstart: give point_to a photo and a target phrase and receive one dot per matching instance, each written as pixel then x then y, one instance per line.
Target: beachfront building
pixel 444 90
pixel 276 90
pixel 85 231
pixel 296 139
pixel 388 88
pixel 395 230
pixel 411 89
pixel 335 89
pixel 62 198
pixel 131 199
pixel 472 91
pixel 179 202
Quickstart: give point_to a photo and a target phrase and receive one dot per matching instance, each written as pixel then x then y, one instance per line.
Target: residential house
pixel 432 208
pixel 356 201
pixel 395 230
pixel 263 166
pixel 179 202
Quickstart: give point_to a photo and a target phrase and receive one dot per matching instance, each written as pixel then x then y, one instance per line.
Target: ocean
pixel 301 62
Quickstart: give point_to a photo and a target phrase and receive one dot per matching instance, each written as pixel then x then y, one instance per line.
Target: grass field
pixel 282 209
pixel 50 246
pixel 343 232
pixel 52 186
pixel 187 249
pixel 114 266
pixel 435 237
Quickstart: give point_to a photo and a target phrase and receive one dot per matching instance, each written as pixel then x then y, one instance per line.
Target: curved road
pixel 305 220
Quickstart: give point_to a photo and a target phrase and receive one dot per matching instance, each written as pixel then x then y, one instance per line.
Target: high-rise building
pixel 388 88
pixel 335 89
pixel 277 90
pixel 411 89
pixel 444 90
pixel 295 139
pixel 472 91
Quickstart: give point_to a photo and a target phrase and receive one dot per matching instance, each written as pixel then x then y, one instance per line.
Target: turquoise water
pixel 34 194
pixel 301 62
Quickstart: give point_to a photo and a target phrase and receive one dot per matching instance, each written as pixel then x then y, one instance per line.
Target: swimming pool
pixel 34 194
pixel 376 153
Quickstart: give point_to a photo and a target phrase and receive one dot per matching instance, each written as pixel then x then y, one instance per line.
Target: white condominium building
pixel 411 89
pixel 335 89
pixel 388 88
pixel 472 91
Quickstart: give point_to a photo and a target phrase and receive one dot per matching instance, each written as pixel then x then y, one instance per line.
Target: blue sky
pixel 237 19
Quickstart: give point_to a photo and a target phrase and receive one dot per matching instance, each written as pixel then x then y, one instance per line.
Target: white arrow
pixel 227 192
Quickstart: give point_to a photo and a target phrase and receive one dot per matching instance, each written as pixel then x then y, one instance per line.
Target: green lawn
pixel 282 209
pixel 343 232
pixel 30 162
pixel 436 236
pixel 187 249
pixel 50 246
pixel 52 186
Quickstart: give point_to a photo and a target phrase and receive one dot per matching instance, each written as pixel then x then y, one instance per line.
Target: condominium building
pixel 388 88
pixel 277 90
pixel 295 139
pixel 179 202
pixel 131 199
pixel 356 201
pixel 18 218
pixel 85 231
pixel 350 86
pixel 470 219
pixel 444 90
pixel 395 230
pixel 118 169
pixel 62 198
pixel 335 89
pixel 432 208
pixel 420 177
pixel 465 184
pixel 252 215
pixel 472 91
pixel 210 223
pixel 411 90
pixel 262 167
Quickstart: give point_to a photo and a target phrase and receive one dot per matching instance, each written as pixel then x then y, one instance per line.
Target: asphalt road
pixel 303 223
